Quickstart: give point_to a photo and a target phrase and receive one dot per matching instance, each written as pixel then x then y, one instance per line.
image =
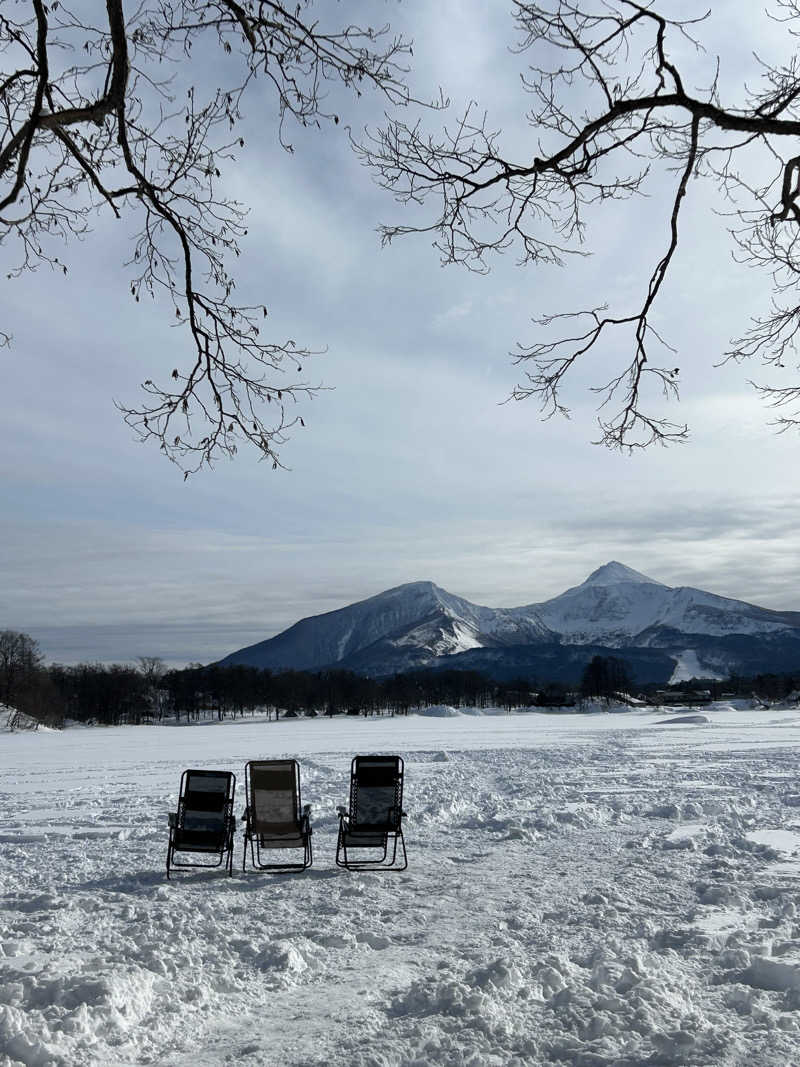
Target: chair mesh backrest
pixel 376 792
pixel 205 804
pixel 273 795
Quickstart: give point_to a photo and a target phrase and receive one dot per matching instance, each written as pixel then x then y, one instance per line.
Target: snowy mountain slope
pixel 324 639
pixel 420 624
pixel 418 620
pixel 618 606
pixel 712 657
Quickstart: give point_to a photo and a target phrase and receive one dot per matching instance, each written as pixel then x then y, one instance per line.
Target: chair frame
pixel 224 852
pixel 388 831
pixel 255 838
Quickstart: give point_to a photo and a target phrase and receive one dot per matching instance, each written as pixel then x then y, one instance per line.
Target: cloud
pixel 410 467
pixel 452 314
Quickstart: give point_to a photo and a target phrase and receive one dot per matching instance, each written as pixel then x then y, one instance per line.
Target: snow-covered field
pixel 584 890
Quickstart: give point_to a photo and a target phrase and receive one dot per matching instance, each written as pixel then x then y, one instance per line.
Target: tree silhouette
pixel 102 112
pixel 604 677
pixel 610 104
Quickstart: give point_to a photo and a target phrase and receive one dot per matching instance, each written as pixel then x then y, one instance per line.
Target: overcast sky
pixel 410 467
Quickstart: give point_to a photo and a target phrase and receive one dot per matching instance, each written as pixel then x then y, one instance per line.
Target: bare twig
pixel 610 108
pixel 100 130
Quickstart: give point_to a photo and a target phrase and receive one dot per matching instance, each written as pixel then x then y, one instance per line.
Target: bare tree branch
pixel 611 107
pixel 89 123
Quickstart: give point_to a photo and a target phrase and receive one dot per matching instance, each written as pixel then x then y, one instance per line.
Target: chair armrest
pixel 396 814
pixel 173 819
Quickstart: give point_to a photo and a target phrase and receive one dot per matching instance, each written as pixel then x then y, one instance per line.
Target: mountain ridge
pixel 419 625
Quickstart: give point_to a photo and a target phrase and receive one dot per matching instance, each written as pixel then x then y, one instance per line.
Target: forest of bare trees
pixel 149 692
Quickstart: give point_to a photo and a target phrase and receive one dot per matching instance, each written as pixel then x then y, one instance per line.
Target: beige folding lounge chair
pixel 275 821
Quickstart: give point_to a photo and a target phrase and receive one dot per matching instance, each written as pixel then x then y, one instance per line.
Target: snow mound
pixel 679 720
pixel 446 711
pixel 439 711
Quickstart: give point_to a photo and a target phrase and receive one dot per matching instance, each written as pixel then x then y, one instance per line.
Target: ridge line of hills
pixel 664 633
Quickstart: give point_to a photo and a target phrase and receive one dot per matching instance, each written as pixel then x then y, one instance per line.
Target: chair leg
pixel 405 854
pixel 340 847
pixel 382 864
pixel 258 863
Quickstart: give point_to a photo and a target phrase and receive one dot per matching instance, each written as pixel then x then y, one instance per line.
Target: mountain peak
pixel 408 590
pixel 613 572
pixel 423 585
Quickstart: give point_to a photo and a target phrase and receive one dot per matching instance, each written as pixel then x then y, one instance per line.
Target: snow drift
pixel 582 890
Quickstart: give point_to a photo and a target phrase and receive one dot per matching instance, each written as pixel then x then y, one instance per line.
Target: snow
pixel 617 612
pixel 683 720
pixel 11 719
pixel 688 666
pixel 582 889
pixel 613 572
pixel 440 640
pixel 465 637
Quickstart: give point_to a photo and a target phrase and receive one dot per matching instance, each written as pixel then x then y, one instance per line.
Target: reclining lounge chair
pixel 274 817
pixel 375 818
pixel 204 822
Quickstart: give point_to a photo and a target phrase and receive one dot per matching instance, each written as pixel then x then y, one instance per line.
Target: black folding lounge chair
pixel 274 817
pixel 375 818
pixel 204 822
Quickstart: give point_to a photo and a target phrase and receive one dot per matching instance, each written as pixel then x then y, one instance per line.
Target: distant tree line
pixel 115 694
pixel 230 692
pixel 765 686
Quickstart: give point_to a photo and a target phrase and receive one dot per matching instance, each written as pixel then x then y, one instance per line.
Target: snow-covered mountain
pixel 615 608
pixel 412 624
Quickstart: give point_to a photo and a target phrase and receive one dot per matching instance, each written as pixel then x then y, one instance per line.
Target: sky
pixel 411 466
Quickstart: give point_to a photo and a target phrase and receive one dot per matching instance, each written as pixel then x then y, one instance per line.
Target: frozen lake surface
pixel 582 889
